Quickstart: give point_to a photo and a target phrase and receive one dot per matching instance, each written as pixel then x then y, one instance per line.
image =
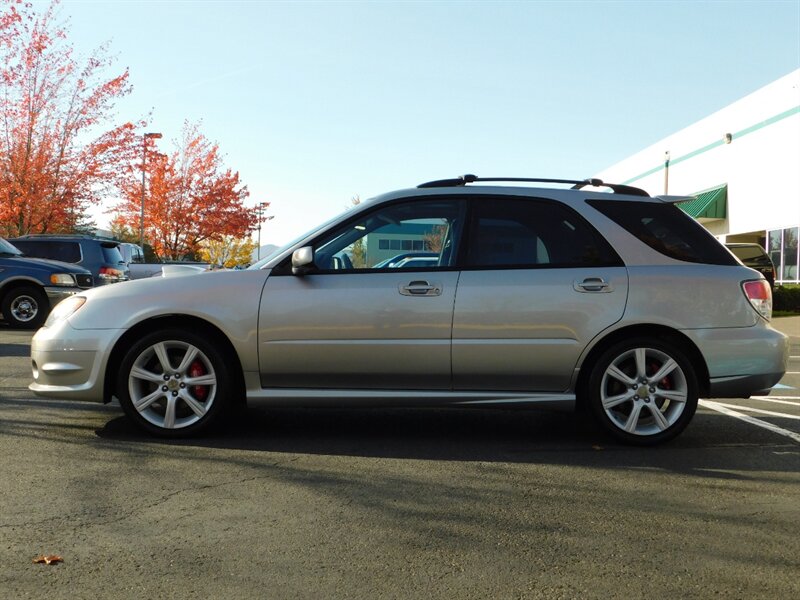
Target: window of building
pixel 782 247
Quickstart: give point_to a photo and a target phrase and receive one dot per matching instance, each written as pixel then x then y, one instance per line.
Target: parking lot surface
pixel 397 503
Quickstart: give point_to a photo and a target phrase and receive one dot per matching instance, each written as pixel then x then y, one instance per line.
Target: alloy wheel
pixel 172 384
pixel 644 391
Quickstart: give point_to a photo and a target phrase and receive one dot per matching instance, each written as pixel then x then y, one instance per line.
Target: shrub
pixel 786 298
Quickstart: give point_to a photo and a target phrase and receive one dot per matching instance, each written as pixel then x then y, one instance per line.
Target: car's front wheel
pixel 174 383
pixel 643 391
pixel 25 307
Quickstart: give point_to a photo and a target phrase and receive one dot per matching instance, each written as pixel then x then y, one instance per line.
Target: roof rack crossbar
pixel 576 184
pixel 617 188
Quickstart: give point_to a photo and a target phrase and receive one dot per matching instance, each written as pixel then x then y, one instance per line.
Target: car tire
pixel 175 383
pixel 643 391
pixel 25 307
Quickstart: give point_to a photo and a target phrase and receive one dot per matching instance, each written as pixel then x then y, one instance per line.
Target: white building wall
pixel 761 165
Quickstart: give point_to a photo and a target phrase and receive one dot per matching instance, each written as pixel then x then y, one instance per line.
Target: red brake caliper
pixel 198 370
pixel 665 383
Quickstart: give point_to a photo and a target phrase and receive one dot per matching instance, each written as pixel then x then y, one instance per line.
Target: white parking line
pixel 778 399
pixel 760 411
pixel 752 420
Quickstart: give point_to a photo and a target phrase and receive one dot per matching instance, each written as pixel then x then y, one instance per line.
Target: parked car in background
pixel 755 257
pixel 29 287
pixel 101 256
pixel 617 302
pixel 416 262
pixel 392 262
pixel 133 255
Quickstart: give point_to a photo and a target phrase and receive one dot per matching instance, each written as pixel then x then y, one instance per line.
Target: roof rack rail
pixel 576 184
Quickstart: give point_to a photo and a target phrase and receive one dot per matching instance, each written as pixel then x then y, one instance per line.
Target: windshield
pixel 8 248
pixel 285 247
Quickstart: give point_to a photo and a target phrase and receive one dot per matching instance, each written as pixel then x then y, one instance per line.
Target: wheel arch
pixel 659 332
pixel 10 285
pixel 190 323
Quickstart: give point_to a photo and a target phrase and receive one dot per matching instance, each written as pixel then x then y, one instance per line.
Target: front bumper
pixel 742 361
pixel 70 363
pixel 57 294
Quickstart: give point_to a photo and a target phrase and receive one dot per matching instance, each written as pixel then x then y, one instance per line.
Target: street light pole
pixel 260 207
pixel 145 137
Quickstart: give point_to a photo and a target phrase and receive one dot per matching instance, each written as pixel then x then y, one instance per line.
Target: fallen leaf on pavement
pixel 49 559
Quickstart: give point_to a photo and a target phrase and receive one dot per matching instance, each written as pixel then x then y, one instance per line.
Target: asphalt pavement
pixel 790 326
pixel 392 503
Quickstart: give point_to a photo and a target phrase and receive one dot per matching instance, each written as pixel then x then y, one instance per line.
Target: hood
pixel 180 270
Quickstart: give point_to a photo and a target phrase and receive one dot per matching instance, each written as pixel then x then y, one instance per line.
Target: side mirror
pixel 302 260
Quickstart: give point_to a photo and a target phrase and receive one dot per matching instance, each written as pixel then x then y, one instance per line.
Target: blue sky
pixel 316 102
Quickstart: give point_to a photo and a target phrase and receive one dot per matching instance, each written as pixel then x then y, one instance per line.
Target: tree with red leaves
pixel 56 156
pixel 190 198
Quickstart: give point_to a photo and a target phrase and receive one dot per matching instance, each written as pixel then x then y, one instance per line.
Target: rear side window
pixel 64 251
pixel 523 233
pixel 666 229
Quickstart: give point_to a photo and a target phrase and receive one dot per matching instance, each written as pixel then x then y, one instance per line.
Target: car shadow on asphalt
pixel 456 435
pixel 17 350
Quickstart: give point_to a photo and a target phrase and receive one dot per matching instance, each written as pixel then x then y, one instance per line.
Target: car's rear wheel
pixel 643 391
pixel 174 383
pixel 25 307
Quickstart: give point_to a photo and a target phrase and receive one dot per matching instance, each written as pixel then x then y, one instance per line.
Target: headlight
pixel 62 279
pixel 64 309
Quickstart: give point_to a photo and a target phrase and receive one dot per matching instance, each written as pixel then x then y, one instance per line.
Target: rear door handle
pixel 420 288
pixel 593 284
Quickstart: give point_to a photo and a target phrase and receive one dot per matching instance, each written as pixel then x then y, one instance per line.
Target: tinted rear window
pixel 111 253
pixel 751 254
pixel 64 251
pixel 666 229
pixel 532 234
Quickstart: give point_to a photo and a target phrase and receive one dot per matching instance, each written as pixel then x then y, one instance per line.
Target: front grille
pixel 85 281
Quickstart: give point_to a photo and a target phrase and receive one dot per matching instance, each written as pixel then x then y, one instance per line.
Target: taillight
pixel 760 296
pixel 109 273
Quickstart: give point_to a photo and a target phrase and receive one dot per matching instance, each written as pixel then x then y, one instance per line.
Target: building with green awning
pixel 741 165
pixel 708 205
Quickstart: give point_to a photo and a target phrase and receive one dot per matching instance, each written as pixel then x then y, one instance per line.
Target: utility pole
pixel 145 137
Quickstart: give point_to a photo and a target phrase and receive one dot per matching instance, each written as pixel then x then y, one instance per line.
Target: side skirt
pixel 384 398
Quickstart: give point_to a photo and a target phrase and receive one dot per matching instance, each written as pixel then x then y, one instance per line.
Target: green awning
pixel 708 205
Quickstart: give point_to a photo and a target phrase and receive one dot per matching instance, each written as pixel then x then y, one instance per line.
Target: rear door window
pixel 666 229
pixel 524 233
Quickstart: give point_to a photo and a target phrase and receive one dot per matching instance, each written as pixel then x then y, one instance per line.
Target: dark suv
pixel 29 286
pixel 101 256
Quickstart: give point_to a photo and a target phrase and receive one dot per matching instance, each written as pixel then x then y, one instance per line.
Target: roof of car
pixel 66 236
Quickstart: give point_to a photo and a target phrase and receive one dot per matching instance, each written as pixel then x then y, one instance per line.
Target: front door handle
pixel 593 284
pixel 420 288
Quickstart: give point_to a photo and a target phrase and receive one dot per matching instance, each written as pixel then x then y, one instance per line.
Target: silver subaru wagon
pixel 606 299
